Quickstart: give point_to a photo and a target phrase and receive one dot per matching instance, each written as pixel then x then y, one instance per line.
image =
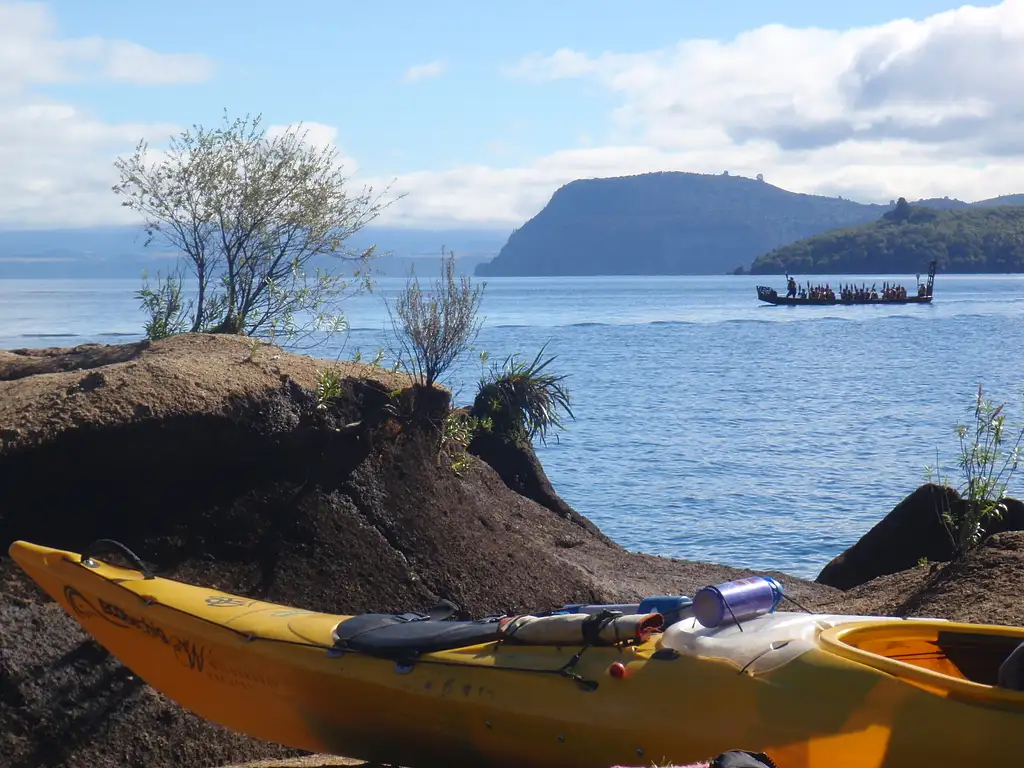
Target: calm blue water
pixel 707 426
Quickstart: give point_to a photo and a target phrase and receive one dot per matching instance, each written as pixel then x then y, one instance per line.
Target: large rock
pixel 520 469
pixel 216 465
pixel 913 530
pixel 986 587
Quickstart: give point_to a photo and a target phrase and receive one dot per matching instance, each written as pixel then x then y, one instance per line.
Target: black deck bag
pixel 405 636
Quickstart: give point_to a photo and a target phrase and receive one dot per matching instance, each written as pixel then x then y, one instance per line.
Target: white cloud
pixel 57 159
pixel 58 164
pixel 915 108
pixel 418 72
pixel 131 63
pixel 320 137
pixel 30 54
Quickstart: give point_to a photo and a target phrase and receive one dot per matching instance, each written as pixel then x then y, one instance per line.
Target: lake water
pixel 707 426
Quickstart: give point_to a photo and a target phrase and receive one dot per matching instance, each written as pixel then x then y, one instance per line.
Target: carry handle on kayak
pixel 110 544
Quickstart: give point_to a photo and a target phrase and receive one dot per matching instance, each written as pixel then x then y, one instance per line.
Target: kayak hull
pixel 269 671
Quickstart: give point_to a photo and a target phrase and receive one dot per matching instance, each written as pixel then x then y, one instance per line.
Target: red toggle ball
pixel 617 670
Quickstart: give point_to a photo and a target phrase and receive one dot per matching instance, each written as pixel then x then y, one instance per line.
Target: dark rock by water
pixel 519 468
pixel 987 587
pixel 913 530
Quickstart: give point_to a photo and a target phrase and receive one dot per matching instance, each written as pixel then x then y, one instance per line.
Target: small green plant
pixel 523 399
pixel 328 387
pixel 254 348
pixel 456 435
pixel 987 461
pixel 166 309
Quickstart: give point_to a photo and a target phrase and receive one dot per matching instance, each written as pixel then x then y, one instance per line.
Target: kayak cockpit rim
pixel 924 647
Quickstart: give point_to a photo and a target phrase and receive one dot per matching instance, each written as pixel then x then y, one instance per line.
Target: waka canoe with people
pixel 845 293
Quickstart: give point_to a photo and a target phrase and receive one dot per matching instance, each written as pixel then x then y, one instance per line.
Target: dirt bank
pixel 216 465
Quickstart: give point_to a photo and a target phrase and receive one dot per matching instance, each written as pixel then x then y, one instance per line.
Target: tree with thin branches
pixel 249 213
pixel 435 329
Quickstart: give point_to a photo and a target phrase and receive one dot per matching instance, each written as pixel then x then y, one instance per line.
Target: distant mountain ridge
pixel 947 203
pixel 666 223
pixel 119 252
pixel 671 223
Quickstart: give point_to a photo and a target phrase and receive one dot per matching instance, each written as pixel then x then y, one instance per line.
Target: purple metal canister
pixel 736 600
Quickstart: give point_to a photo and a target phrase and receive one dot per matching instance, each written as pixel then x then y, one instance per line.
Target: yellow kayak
pixel 810 690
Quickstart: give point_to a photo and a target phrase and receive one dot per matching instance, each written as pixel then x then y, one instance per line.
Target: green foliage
pixel 249 212
pixel 987 239
pixel 254 348
pixel 523 399
pixel 328 387
pixel 435 329
pixel 164 306
pixel 987 461
pixel 375 362
pixel 457 432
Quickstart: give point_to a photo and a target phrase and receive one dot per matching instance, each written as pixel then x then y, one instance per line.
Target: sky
pixel 477 114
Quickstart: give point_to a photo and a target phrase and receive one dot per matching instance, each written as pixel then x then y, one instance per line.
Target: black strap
pixel 591 629
pixel 595 622
pixel 444 610
pixel 566 670
pixel 112 545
